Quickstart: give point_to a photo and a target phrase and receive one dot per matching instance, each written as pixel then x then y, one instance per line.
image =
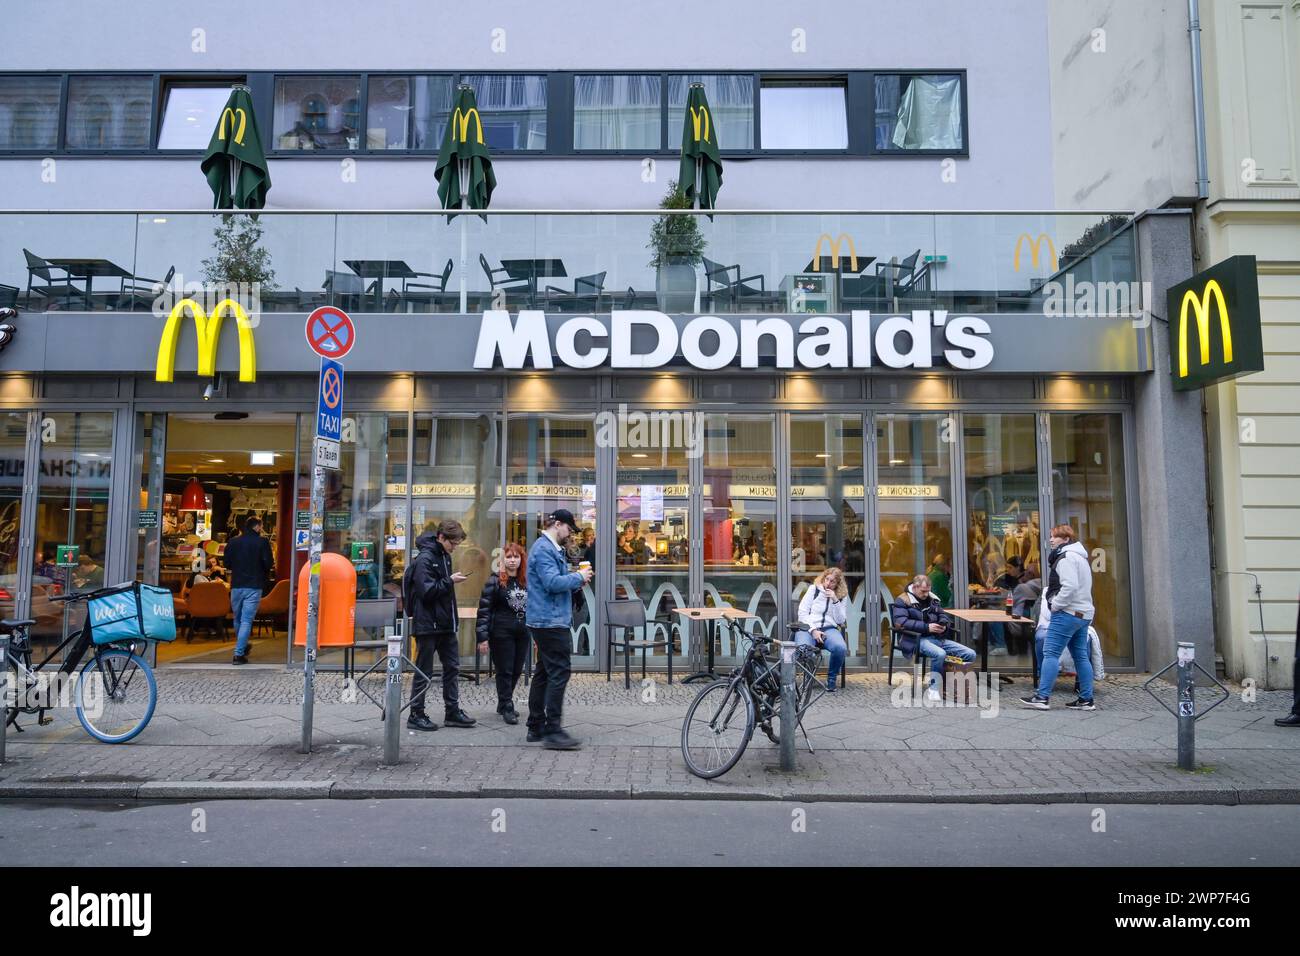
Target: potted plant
pixel 240 264
pixel 678 246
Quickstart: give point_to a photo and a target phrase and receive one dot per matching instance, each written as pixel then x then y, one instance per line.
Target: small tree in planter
pixel 239 262
pixel 678 246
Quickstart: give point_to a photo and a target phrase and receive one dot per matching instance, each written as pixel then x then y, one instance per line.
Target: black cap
pixel 564 515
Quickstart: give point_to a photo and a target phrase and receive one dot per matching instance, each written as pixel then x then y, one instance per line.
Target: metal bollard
pixel 393 699
pixel 1186 706
pixel 788 708
pixel 4 697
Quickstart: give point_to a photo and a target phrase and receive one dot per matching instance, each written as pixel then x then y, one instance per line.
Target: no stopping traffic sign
pixel 330 332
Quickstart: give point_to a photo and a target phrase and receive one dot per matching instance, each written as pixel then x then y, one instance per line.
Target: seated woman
pixel 823 610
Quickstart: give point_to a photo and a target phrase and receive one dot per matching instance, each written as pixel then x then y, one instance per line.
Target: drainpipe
pixel 1198 100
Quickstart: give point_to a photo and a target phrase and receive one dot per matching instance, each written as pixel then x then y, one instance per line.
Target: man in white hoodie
pixel 1069 600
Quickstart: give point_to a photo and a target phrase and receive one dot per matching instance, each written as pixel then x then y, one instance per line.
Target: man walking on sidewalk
pixel 431 604
pixel 549 617
pixel 249 560
pixel 1293 719
pixel 1069 598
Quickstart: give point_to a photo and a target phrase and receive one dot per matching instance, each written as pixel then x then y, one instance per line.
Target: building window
pixel 919 112
pixel 29 112
pixel 407 112
pixel 731 101
pixel 512 108
pixel 803 114
pixel 109 112
pixel 620 111
pixel 190 113
pixel 317 112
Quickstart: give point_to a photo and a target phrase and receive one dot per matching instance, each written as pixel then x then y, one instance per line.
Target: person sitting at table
pixel 918 617
pixel 824 610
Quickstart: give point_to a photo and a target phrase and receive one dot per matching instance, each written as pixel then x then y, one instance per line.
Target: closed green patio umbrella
pixel 700 175
pixel 235 164
pixel 464 170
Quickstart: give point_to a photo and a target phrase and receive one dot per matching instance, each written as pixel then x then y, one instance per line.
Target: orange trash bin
pixel 336 622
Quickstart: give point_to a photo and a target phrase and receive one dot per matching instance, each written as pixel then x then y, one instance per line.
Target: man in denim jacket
pixel 549 617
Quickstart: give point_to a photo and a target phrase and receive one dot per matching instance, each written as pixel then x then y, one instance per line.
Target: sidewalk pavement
pixel 224 733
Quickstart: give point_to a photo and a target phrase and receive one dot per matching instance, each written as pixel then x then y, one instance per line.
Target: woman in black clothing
pixel 501 626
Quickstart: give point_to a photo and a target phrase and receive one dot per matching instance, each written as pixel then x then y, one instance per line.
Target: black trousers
pixel 448 650
pixel 509 651
pixel 1295 676
pixel 550 678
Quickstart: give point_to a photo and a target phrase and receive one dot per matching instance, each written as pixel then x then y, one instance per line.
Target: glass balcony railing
pixel 587 262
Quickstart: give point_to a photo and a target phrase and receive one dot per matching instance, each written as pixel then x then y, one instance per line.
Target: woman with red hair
pixel 501 625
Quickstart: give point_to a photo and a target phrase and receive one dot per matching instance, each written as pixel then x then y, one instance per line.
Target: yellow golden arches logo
pixel 208 330
pixel 1200 306
pixel 460 124
pixel 700 118
pixel 835 251
pixel 1035 247
pixel 242 128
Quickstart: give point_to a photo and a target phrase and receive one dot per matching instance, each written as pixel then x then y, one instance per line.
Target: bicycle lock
pixel 1186 713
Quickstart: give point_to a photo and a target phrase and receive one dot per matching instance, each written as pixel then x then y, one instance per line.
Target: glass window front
pixel 551 463
pixel 457 475
pixel 1004 538
pixel 512 107
pixel 29 112
pixel 190 114
pixel 827 498
pixel 918 112
pixel 617 111
pixel 109 112
pixel 803 115
pixel 407 112
pixel 731 102
pixel 1088 493
pixel 739 502
pixel 317 112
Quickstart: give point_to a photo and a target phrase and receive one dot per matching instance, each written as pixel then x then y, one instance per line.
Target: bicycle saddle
pixel 10 624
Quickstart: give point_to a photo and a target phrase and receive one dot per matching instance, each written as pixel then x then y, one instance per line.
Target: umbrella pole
pixel 695 204
pixel 464 249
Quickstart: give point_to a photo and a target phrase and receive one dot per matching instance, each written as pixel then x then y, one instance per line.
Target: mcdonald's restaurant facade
pixel 709 459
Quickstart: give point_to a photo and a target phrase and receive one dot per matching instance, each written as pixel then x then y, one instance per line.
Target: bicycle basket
pixel 132 611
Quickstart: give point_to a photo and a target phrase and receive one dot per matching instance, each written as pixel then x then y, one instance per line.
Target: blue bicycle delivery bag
pixel 132 611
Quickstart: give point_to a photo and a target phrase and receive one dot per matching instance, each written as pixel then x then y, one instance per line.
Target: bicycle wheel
pixel 717 728
pixel 116 695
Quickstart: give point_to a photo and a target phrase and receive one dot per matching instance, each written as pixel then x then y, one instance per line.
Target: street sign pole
pixel 313 602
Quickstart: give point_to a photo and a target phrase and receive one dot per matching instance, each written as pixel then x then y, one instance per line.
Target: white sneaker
pixel 997 652
pixel 932 694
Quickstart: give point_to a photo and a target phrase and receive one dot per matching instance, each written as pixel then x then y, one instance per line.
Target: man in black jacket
pixel 1293 719
pixel 919 618
pixel 435 621
pixel 248 559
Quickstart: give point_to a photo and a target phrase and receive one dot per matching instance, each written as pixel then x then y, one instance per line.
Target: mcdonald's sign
pixel 460 124
pixel 700 123
pixel 1035 248
pixel 1225 340
pixel 208 331
pixel 229 114
pixel 834 245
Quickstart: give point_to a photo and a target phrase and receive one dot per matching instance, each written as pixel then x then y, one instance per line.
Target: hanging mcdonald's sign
pixel 1214 330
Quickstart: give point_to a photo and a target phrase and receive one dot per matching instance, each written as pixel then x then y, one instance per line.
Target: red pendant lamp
pixel 193 499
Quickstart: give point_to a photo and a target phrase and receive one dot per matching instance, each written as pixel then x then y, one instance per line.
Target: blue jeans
pixel 938 650
pixel 1040 635
pixel 834 644
pixel 997 635
pixel 243 605
pixel 1064 631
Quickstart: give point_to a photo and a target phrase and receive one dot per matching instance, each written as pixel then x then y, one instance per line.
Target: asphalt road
pixel 636 832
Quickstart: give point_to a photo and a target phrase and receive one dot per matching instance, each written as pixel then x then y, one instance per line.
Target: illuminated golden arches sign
pixel 229 113
pixel 208 331
pixel 1224 301
pixel 700 120
pixel 1035 247
pixel 835 251
pixel 460 123
pixel 1200 306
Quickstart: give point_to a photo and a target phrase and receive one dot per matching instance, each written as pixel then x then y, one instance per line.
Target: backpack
pixel 408 583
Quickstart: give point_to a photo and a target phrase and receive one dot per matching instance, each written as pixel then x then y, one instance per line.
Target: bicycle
pixel 730 708
pixel 115 693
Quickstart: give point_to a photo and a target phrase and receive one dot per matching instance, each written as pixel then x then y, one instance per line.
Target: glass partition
pixel 13 453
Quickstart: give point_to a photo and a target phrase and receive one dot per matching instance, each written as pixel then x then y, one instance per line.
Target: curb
pixel 199 790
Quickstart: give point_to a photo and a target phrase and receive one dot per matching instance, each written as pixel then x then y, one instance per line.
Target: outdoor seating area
pixel 418 263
